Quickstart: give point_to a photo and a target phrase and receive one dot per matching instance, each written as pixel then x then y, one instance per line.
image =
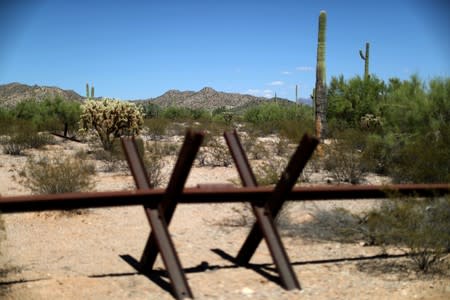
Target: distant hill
pixel 13 93
pixel 209 99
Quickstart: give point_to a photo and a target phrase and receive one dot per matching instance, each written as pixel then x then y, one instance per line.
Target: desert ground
pixel 51 255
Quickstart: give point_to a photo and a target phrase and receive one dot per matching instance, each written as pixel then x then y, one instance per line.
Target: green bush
pixel 422 226
pixel 295 129
pixel 156 127
pixel 6 119
pixel 49 114
pixel 343 157
pixel 54 175
pixel 274 117
pixel 350 100
pixel 151 110
pixel 22 140
pixel 423 158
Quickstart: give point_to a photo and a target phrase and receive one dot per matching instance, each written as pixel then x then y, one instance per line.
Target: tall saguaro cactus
pixel 320 95
pixel 91 95
pixel 366 61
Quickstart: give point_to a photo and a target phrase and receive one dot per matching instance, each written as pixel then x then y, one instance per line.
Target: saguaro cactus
pixel 320 95
pixel 91 95
pixel 366 61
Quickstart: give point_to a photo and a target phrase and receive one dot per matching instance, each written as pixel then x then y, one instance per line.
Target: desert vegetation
pixel 398 129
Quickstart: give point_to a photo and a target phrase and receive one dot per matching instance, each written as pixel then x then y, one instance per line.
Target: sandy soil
pixel 54 256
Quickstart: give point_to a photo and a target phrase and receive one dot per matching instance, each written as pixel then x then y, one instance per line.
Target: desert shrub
pixel 111 119
pixel 12 146
pixel 38 140
pixel 168 148
pixel 214 153
pixel 423 158
pixel 151 110
pixel 182 114
pixel 242 216
pixel 274 117
pixel 269 171
pixel 154 164
pixel 176 113
pixel 282 147
pixel 6 119
pixel 420 225
pixel 49 114
pixel 114 160
pixel 156 127
pixel 254 148
pixel 53 175
pixel 22 140
pixel 61 113
pixel 343 157
pixel 380 152
pixel 338 225
pixel 350 100
pixel 295 129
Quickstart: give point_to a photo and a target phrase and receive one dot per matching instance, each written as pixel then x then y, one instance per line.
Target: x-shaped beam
pixel 160 214
pixel 266 212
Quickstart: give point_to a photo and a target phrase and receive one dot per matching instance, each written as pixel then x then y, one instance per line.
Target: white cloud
pixel 277 82
pixel 305 69
pixel 254 92
pixel 260 93
pixel 286 73
pixel 268 93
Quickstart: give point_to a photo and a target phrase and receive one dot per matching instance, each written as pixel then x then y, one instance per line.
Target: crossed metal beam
pixel 160 213
pixel 267 211
pixel 266 202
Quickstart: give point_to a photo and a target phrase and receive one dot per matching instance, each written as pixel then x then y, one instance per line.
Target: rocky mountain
pixel 207 98
pixel 13 93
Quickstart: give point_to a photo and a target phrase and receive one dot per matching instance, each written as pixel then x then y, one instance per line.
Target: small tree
pixel 110 119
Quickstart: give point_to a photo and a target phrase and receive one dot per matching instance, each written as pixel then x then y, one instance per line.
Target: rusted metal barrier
pixel 35 203
pixel 265 212
pixel 160 204
pixel 160 214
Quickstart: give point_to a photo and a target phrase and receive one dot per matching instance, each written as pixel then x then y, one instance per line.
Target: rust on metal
pixel 186 157
pixel 160 233
pixel 160 214
pixel 160 204
pixel 287 181
pixel 263 215
pixel 28 203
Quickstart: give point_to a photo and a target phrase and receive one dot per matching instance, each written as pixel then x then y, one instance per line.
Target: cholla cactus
pixel 110 119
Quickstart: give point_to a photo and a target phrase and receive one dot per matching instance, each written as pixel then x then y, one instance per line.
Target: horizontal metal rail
pixel 28 203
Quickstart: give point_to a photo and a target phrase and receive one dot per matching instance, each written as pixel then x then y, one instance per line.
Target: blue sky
pixel 140 49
